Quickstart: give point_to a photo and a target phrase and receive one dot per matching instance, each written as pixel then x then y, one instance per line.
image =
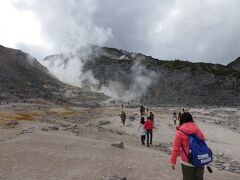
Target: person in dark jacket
pixel 142 110
pixel 149 127
pixel 123 117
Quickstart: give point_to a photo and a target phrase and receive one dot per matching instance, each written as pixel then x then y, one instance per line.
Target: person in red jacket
pixel 188 126
pixel 149 127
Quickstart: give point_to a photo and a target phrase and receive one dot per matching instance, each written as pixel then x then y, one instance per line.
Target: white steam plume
pixel 69 68
pixel 142 78
pixel 67 26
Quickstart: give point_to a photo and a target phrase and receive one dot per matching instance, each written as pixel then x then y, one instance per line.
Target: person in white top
pixel 175 118
pixel 142 130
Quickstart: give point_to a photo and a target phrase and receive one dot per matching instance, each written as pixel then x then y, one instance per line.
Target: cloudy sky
pixel 194 30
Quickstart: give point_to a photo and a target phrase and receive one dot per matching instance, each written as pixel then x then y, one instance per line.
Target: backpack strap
pixel 182 144
pixel 184 151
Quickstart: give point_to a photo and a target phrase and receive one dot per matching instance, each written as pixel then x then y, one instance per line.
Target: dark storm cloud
pixel 206 30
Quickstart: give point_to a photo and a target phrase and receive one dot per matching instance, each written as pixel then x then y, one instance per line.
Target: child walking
pixel 142 130
pixel 175 118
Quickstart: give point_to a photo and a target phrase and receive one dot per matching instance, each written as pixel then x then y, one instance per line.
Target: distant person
pixel 183 110
pixel 149 127
pixel 142 130
pixel 147 109
pixel 142 110
pixel 175 118
pixel 152 117
pixel 181 145
pixel 179 116
pixel 122 106
pixel 123 117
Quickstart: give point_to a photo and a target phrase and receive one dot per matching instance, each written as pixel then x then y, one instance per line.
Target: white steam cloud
pixel 69 68
pixel 141 79
pixel 70 26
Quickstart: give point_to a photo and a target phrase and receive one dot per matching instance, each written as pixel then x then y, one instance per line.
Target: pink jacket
pixel 181 138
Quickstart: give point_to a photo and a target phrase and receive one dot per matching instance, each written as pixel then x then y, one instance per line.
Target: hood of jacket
pixel 188 128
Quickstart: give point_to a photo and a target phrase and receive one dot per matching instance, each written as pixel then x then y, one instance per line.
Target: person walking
pixel 179 116
pixel 147 109
pixel 142 110
pixel 123 117
pixel 152 117
pixel 149 127
pixel 180 145
pixel 142 130
pixel 175 118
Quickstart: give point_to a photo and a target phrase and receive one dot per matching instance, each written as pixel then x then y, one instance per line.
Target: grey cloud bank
pixel 206 30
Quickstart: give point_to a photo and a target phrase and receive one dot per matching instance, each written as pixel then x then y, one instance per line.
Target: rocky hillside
pixel 23 77
pixel 235 64
pixel 133 76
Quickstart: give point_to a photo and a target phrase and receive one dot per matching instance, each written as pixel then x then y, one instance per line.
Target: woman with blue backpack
pixel 189 141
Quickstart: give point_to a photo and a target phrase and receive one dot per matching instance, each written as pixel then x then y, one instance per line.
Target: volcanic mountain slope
pixel 134 76
pixel 235 64
pixel 22 76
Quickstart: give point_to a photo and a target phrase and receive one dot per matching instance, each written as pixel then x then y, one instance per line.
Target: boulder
pixel 104 122
pixel 44 129
pixel 12 124
pixel 118 144
pixel 29 130
pixel 53 128
pixel 114 178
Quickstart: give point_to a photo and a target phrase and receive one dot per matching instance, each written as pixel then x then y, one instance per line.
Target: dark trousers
pixel 143 139
pixel 149 133
pixel 192 173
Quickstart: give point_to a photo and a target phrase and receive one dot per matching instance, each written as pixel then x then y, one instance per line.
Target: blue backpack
pixel 199 153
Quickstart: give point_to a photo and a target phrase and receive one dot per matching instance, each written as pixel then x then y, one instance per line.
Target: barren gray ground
pixel 53 142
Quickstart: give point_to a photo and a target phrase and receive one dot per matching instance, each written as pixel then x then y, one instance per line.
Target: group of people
pixel 175 117
pixel 181 143
pixel 146 129
pixel 181 140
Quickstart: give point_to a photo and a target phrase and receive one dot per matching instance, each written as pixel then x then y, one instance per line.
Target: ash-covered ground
pixel 47 141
